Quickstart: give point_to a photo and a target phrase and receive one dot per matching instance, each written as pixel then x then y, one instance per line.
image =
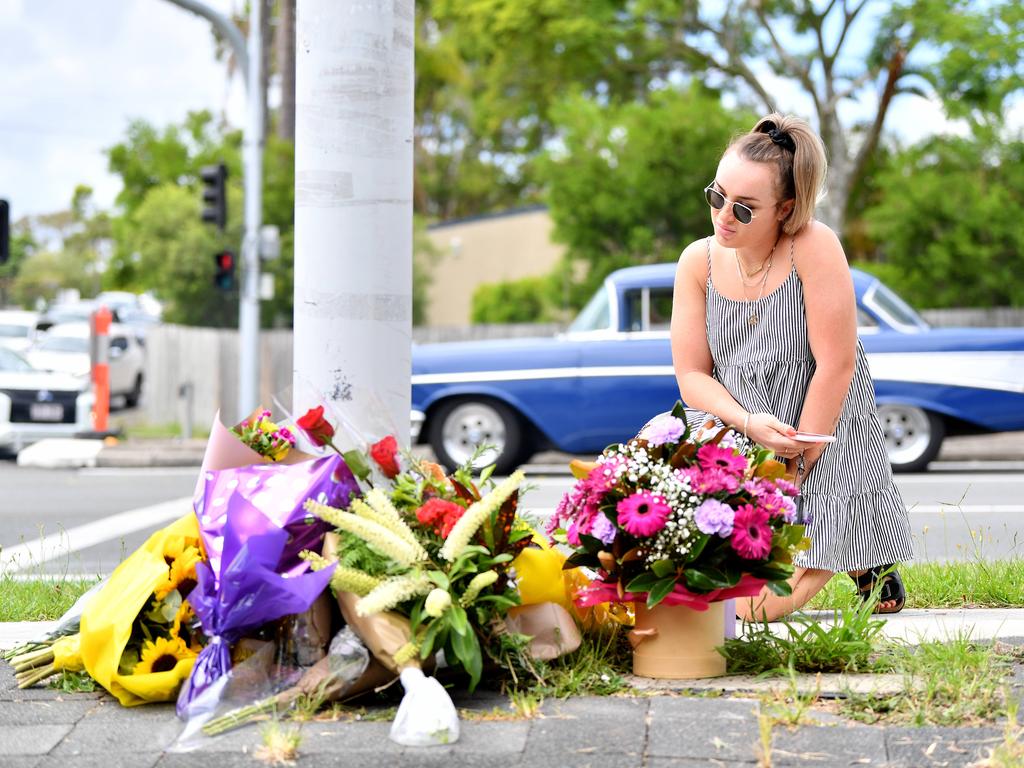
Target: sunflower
pixel 162 655
pixel 182 574
pixel 174 547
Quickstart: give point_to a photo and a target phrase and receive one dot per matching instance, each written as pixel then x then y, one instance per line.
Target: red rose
pixel 316 427
pixel 385 453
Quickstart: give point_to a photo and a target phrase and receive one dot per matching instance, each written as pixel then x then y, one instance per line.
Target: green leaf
pixel 431 638
pixel 699 542
pixel 459 620
pixel 486 474
pixel 585 559
pixel 439 579
pixel 664 567
pixel 780 588
pixel 467 651
pixel 642 583
pixel 707 579
pixel 660 591
pixel 592 544
pixel 355 461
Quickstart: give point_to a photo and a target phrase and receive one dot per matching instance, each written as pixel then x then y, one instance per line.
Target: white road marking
pixel 55 545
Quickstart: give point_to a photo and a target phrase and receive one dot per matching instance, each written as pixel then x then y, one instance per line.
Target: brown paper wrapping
pixel 384 633
pixel 553 630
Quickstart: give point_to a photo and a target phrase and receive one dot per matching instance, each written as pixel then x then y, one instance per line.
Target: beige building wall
pixel 488 249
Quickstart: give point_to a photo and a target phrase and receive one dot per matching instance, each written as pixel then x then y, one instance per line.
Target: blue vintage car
pixel 600 381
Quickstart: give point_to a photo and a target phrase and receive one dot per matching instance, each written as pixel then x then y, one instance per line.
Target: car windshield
pixel 11 361
pixel 64 344
pixel 596 316
pixel 895 309
pixel 13 331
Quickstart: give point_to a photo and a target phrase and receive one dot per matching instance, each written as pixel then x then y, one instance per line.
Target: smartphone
pixel 813 437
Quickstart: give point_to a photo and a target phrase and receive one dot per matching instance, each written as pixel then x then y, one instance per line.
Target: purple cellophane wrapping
pixel 253 526
pixel 278 492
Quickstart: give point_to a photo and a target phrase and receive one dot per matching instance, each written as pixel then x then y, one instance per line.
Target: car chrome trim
pixel 999 371
pixel 594 371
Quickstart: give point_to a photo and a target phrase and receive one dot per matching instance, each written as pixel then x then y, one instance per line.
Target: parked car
pixel 37 404
pixel 602 380
pixel 17 329
pixel 65 348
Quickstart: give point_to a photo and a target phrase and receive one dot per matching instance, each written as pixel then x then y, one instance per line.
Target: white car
pixel 17 329
pixel 65 348
pixel 37 404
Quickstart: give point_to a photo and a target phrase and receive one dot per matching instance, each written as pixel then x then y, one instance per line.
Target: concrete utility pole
pixel 353 209
pixel 250 61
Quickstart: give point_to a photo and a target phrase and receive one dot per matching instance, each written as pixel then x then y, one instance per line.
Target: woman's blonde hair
pixel 799 155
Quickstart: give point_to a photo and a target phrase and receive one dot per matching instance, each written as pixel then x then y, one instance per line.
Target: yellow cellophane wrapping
pixel 107 620
pixel 541 579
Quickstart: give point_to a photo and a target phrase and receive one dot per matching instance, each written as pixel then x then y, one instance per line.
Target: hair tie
pixel 782 138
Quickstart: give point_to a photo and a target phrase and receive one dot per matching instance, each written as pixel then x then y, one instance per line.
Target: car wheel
pixel 913 436
pixel 132 398
pixel 459 426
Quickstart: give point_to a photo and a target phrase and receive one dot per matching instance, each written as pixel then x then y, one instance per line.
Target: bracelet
pixel 746 422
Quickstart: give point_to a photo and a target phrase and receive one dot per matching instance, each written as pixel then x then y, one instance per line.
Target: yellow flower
pixel 175 546
pixel 182 574
pixel 162 655
pixel 184 615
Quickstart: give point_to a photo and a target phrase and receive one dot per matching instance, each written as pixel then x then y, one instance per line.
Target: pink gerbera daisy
pixel 751 534
pixel 643 514
pixel 724 459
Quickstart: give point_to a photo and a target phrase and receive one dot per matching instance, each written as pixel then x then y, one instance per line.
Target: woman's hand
pixel 766 430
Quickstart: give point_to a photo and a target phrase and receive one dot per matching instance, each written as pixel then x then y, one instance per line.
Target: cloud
pixel 74 79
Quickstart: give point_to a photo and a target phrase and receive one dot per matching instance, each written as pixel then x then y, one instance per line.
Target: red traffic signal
pixel 224 277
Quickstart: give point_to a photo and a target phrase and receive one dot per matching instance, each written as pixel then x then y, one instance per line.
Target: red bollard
pixel 100 354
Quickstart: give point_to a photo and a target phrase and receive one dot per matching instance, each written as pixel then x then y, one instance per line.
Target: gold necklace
pixel 771 253
pixel 752 318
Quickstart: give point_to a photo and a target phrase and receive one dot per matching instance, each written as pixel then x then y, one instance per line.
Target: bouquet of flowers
pixel 669 517
pixel 138 635
pixel 436 551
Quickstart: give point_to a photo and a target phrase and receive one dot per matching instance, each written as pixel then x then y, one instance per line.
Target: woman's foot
pixel 892 595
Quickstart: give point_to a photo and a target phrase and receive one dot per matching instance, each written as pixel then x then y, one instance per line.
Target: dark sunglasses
pixel 743 213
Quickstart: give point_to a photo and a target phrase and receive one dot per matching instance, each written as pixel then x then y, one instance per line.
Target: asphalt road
pixel 86 521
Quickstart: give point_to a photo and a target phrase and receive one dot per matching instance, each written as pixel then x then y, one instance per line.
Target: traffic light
pixel 215 197
pixel 5 231
pixel 224 277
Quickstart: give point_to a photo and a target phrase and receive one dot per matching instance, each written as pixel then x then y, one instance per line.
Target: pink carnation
pixel 723 459
pixel 710 481
pixel 643 514
pixel 751 534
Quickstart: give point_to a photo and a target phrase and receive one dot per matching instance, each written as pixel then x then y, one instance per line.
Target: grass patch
pixel 954 682
pixel 39 600
pixel 845 645
pixel 956 584
pixel 147 431
pixel 596 668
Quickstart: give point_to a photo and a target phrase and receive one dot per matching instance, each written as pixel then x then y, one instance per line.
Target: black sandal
pixel 891 589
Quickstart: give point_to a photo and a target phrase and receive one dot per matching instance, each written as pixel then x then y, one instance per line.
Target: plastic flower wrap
pixel 686 521
pixel 244 591
pixel 136 637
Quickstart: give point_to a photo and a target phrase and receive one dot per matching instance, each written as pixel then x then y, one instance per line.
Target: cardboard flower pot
pixel 676 642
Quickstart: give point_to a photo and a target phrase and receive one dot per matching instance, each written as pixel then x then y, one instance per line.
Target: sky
pixel 74 73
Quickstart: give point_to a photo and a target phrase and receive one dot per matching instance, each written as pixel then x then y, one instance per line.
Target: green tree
pixel 524 55
pixel 23 246
pixel 174 250
pixel 625 187
pixel 527 300
pixel 948 223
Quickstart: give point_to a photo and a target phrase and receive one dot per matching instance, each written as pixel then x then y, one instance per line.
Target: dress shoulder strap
pixel 708 241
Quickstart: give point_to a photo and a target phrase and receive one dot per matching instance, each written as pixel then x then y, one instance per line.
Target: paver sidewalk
pixel 42 727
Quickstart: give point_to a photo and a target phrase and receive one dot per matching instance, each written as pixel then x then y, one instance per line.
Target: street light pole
pixel 250 61
pixel 252 159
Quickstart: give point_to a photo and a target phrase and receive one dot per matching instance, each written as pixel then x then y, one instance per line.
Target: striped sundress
pixel 854 514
